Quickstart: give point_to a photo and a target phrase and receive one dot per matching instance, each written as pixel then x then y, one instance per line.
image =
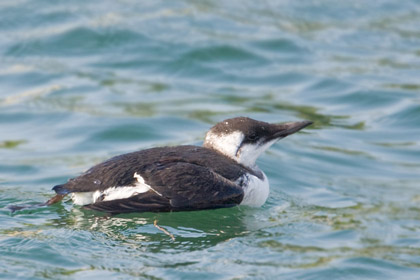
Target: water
pixel 82 81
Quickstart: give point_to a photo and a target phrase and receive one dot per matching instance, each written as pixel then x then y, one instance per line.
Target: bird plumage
pixel 222 173
pixel 184 176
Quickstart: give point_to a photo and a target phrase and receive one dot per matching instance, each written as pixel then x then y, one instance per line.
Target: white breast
pixel 255 190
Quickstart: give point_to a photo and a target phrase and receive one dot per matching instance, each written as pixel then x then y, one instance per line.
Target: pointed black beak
pixel 285 129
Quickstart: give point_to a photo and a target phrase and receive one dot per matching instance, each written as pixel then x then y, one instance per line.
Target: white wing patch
pixel 113 193
pixel 140 182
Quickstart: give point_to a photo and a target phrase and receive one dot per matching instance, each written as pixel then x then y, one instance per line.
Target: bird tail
pixel 52 200
pixel 56 198
pixel 61 189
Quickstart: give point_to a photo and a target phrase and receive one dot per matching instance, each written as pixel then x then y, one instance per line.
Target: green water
pixel 81 81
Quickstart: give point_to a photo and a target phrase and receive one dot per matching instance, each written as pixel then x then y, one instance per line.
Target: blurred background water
pixel 81 81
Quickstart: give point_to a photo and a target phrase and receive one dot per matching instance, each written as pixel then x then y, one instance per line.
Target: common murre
pixel 222 173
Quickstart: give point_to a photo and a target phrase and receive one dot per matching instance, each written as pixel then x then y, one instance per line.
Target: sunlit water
pixel 81 81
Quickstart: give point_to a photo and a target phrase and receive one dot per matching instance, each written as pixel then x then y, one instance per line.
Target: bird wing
pixel 176 186
pixel 115 172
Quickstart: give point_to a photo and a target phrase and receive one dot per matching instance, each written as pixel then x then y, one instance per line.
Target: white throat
pixel 230 146
pixel 249 153
pixel 225 144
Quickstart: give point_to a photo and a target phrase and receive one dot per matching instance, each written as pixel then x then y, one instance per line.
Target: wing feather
pixel 179 186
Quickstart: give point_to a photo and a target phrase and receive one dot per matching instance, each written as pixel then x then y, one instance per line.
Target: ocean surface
pixel 82 81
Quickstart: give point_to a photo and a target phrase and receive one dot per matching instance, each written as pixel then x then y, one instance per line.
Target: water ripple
pixel 84 81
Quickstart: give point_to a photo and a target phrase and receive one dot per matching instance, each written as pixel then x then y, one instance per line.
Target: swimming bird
pixel 221 173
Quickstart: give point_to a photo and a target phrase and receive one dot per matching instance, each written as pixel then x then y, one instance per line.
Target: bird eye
pixel 252 137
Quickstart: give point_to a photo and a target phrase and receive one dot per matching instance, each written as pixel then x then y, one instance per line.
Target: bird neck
pixel 230 146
